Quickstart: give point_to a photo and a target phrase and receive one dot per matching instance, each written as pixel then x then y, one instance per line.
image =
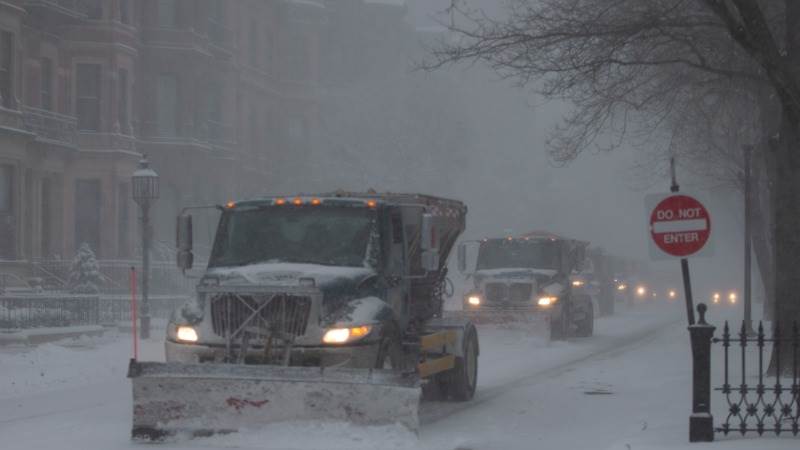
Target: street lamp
pixel 145 193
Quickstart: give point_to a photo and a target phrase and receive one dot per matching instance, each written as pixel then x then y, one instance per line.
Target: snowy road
pixel 605 392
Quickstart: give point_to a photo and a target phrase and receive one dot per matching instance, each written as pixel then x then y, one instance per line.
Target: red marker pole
pixel 133 315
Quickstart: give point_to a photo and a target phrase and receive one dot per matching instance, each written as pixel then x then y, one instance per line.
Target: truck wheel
pixel 464 376
pixel 586 326
pixel 558 327
pixel 389 355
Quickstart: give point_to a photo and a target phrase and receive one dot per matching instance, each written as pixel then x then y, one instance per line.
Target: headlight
pixel 577 283
pixel 672 294
pixel 641 291
pixel 474 300
pixel 546 301
pixel 732 297
pixel 715 297
pixel 186 334
pixel 622 287
pixel 344 335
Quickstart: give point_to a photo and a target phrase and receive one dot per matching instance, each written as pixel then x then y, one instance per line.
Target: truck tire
pixel 463 377
pixel 586 325
pixel 390 352
pixel 559 327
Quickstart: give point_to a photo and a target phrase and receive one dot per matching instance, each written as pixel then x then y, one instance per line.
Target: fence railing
pixel 165 277
pixel 37 311
pixel 760 385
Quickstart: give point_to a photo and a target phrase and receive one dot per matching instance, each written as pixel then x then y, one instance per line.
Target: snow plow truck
pixel 312 307
pixel 532 282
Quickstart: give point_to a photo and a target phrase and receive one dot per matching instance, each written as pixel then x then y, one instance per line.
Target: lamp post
pixel 145 193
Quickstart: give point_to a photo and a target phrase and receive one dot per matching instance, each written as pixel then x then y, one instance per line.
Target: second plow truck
pixel 528 281
pixel 320 307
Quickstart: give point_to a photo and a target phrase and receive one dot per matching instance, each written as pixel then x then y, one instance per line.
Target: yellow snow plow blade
pixel 203 399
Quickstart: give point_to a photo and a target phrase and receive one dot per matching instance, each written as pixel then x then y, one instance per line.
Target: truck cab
pixel 331 280
pixel 536 273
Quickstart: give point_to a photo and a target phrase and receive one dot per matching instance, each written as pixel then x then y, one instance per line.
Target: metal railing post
pixel 701 422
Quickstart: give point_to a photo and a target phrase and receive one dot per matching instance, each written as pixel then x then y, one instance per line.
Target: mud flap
pixel 203 399
pixel 534 323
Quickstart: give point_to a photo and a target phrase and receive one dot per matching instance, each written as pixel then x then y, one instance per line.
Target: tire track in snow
pixel 433 412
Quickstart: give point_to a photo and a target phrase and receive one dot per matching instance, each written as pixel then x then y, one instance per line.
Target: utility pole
pixel 748 306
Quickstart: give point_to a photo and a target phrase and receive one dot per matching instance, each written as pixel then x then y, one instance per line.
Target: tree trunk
pixel 762 230
pixel 787 237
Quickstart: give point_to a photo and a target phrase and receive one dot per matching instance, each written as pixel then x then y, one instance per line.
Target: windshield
pixel 318 235
pixel 502 254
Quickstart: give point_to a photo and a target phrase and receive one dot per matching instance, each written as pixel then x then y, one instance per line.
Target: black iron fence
pixel 760 388
pixel 37 311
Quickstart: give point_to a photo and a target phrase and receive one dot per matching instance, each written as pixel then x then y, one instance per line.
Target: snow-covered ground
pixel 626 388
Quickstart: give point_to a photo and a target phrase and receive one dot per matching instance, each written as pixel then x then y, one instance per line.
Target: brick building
pixel 218 94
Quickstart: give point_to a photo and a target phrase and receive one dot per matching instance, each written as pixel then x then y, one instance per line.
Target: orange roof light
pixel 280 201
pixel 230 205
pixel 372 203
pixel 316 201
pixel 297 201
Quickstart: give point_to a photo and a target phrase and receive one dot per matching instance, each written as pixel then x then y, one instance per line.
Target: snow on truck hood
pixel 289 274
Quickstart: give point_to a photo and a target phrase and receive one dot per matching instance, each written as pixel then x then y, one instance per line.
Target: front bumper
pixel 361 355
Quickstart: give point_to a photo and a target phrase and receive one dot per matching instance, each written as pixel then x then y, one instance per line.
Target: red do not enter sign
pixel 680 225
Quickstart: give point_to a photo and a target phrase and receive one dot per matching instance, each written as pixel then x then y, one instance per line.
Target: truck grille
pixel 505 293
pixel 496 292
pixel 264 313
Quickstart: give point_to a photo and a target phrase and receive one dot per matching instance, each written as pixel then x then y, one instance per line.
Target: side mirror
pixel 429 243
pixel 183 241
pixel 462 258
pixel 430 260
pixel 429 238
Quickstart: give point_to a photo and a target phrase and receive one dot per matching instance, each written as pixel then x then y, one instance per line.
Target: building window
pixel 167 109
pixel 46 217
pixel 125 11
pixel 94 9
pixel 167 13
pixel 122 220
pixel 215 132
pixel 216 21
pixel 298 60
pixel 123 100
pixel 87 213
pixel 7 217
pixel 268 52
pixel 7 68
pixel 254 130
pixel 253 45
pixel 46 98
pixel 88 97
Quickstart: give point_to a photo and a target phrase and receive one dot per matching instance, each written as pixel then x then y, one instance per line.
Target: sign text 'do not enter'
pixel 680 225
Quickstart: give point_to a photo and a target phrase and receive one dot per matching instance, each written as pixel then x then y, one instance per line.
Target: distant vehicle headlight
pixel 732 297
pixel 622 287
pixel 578 283
pixel 186 334
pixel 474 300
pixel 715 297
pixel 641 291
pixel 546 300
pixel 672 293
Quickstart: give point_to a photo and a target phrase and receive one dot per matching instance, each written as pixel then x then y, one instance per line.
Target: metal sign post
pixel 687 280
